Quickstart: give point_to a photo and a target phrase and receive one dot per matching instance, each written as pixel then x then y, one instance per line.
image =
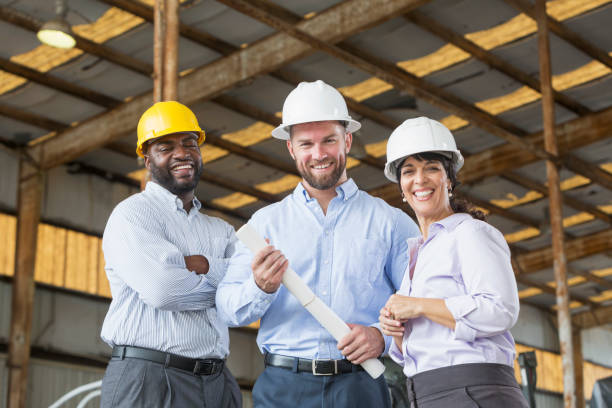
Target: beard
pixel 164 178
pixel 324 182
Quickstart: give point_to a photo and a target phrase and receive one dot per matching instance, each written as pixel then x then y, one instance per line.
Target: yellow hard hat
pixel 165 118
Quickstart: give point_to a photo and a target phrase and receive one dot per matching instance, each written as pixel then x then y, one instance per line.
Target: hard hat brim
pixel 456 158
pixel 282 131
pixel 200 133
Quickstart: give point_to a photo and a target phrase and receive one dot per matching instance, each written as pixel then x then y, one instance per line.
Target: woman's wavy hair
pixel 458 205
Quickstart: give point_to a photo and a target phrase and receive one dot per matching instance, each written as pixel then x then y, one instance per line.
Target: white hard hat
pixel 420 135
pixel 313 102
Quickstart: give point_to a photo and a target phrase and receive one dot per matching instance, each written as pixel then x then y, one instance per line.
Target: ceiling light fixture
pixel 57 32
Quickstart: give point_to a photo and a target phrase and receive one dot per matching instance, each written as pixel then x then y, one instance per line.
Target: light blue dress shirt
pixel 353 258
pixel 158 303
pixel 466 262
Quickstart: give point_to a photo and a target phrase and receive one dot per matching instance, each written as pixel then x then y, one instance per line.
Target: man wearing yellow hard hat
pixel 164 260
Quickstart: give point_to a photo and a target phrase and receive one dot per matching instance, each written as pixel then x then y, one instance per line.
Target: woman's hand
pixel 403 308
pixel 390 326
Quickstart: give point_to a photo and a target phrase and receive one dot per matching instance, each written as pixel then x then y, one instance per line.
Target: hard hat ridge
pixel 420 135
pixel 165 118
pixel 314 102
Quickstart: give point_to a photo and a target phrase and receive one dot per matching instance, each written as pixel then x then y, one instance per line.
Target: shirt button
pixel 326 262
pixel 324 293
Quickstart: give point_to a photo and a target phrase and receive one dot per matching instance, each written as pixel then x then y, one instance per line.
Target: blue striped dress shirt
pixel 158 303
pixel 353 258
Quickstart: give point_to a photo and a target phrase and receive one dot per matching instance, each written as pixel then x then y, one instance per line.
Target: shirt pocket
pixel 365 269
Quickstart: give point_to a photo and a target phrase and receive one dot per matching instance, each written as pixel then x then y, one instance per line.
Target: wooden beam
pixel 246 109
pixel 537 260
pixel 559 29
pixel 490 59
pixel 593 172
pixel 29 197
pixel 261 57
pixel 552 291
pixel 571 135
pixel 591 277
pixel 31 118
pixel 58 84
pixel 251 154
pixel 593 318
pixel 20 19
pixel 567 199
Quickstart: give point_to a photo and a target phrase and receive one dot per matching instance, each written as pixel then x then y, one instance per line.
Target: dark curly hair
pixel 458 205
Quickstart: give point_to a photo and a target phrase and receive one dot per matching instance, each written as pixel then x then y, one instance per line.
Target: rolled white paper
pixel 319 310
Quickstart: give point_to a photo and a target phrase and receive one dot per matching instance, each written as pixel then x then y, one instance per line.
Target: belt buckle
pixel 198 368
pixel 314 367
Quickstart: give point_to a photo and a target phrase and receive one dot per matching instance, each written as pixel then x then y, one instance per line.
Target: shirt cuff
pixel 252 291
pixel 460 306
pixel 396 354
pixel 216 270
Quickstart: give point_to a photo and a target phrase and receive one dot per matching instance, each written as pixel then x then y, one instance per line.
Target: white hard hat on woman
pixel 420 135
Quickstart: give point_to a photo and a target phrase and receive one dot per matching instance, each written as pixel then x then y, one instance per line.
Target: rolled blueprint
pixel 319 310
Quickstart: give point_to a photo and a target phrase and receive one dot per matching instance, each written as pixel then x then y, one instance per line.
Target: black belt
pixel 207 366
pixel 315 367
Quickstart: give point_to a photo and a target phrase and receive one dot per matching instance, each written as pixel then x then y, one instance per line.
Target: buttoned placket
pixel 432 235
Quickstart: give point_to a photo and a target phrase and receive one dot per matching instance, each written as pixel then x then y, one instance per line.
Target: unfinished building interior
pixel 525 87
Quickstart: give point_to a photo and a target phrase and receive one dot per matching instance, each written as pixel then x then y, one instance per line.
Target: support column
pixel 29 198
pixel 556 216
pixel 165 50
pixel 165 55
pixel 579 367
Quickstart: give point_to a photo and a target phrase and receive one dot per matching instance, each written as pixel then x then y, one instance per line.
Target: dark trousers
pixel 279 387
pixel 482 385
pixel 139 383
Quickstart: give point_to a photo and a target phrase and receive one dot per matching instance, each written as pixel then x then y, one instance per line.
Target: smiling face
pixel 319 150
pixel 425 186
pixel 175 162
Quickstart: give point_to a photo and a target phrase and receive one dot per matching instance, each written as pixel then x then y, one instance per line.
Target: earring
pixel 450 193
pixel 403 198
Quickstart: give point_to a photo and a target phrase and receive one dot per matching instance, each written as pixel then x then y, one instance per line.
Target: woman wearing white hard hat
pixel 452 316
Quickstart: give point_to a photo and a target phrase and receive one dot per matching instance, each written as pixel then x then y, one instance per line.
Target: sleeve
pixel 490 305
pixel 138 255
pixel 396 354
pixel 239 300
pixel 218 266
pixel 397 259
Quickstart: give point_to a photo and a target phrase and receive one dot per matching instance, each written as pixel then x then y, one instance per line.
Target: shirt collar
pixel 345 191
pixel 449 223
pixel 169 199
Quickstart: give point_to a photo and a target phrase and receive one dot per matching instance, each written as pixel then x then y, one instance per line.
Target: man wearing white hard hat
pixel 452 316
pixel 349 248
